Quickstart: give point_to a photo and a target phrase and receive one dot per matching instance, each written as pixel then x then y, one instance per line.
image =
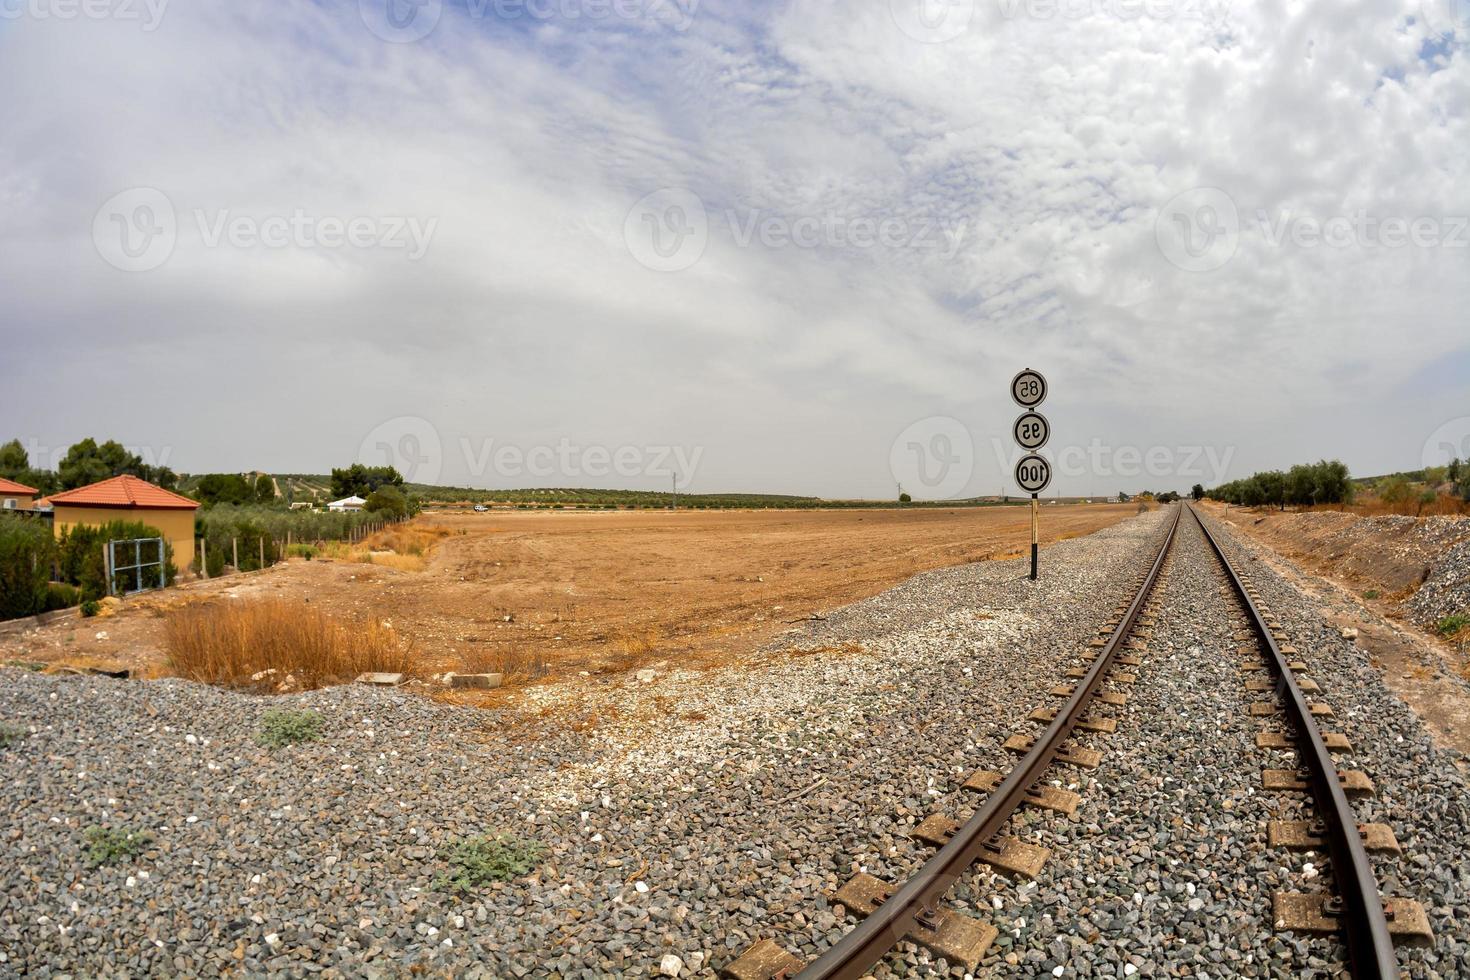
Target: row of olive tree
pixel 1324 482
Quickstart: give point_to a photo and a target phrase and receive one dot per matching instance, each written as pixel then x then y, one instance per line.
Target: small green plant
pixel 477 861
pixel 108 845
pixel 90 608
pixel 279 728
pixel 10 734
pixel 1371 594
pixel 1451 625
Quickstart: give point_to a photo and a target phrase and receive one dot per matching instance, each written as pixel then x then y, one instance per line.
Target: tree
pixel 1452 472
pixel 265 489
pixel 904 498
pixel 361 481
pixel 26 552
pixel 86 462
pixel 15 464
pixel 14 460
pixel 1198 493
pixel 223 488
pixel 1395 491
pixel 387 501
pixel 1123 498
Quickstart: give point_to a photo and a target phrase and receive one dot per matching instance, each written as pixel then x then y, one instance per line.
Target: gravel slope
pixel 702 810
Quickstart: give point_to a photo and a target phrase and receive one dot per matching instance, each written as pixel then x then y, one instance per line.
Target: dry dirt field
pixel 550 593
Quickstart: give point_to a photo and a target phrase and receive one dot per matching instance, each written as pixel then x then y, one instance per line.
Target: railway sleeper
pixel 1115 698
pixel 1261 684
pixel 1311 835
pixel 1251 666
pixel 1042 796
pixel 1088 723
pixel 1008 855
pixel 1320 912
pixel 765 960
pixel 1262 709
pixel 1335 741
pixel 956 937
pixel 1354 782
pixel 1122 659
pixel 1072 756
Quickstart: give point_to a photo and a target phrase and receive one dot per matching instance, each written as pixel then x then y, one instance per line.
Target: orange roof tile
pixel 10 486
pixel 122 491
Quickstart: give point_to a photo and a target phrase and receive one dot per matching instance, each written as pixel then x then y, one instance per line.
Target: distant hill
pixel 301 487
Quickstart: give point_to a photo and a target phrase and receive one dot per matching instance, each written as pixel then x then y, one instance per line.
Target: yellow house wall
pixel 23 501
pixel 176 526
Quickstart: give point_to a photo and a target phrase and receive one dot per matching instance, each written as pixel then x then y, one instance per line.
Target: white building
pixel 353 503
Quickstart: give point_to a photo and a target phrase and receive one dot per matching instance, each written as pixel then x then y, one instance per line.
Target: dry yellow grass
pixel 518 665
pixel 403 548
pixel 273 644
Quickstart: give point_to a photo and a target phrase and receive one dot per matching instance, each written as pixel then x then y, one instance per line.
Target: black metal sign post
pixel 1031 431
pixel 1035 529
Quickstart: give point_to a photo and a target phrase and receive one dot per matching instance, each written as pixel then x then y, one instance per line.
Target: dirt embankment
pixel 1417 569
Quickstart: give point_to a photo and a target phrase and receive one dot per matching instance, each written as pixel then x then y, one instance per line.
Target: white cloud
pixel 1053 142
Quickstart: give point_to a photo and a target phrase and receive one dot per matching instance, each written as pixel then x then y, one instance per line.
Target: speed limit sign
pixel 1028 388
pixel 1031 431
pixel 1033 474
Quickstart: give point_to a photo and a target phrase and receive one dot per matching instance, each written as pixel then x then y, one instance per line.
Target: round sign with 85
pixel 1028 388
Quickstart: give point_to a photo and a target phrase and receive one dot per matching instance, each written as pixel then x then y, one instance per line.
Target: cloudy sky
pixel 771 246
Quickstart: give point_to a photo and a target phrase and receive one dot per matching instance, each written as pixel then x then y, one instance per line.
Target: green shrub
pixel 280 728
pixel 1371 594
pixel 301 551
pixel 106 845
pixel 27 550
pixel 11 734
pixel 1451 625
pixel 60 596
pixel 90 608
pixel 477 861
pixel 80 555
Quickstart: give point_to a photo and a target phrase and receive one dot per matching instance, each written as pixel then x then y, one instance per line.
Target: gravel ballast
pixel 687 816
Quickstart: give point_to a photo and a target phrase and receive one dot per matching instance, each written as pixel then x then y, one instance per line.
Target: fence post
pixel 203 560
pixel 107 564
pixel 262 552
pixel 235 551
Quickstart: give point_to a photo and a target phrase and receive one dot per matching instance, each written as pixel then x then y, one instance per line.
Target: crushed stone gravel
pixel 686 816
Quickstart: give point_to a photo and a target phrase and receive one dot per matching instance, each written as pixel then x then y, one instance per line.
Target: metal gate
pixel 136 565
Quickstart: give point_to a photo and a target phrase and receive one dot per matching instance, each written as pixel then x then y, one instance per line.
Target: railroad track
pixel 914 910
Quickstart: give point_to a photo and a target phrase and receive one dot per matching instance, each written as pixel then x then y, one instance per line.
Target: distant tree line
pixel 1324 482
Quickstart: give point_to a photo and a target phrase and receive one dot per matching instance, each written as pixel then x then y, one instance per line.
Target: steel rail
pixel 1369 944
pixel 914 904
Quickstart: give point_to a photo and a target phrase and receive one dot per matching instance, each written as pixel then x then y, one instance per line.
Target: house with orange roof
pixel 127 498
pixel 16 496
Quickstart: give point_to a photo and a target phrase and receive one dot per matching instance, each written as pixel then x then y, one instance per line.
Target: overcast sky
pixel 789 247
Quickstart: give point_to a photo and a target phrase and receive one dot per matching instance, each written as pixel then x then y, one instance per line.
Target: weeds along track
pixel 916 910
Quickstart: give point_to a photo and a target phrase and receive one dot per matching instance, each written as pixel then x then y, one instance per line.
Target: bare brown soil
pixel 542 594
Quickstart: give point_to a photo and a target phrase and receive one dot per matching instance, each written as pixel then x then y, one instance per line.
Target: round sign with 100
pixel 1033 474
